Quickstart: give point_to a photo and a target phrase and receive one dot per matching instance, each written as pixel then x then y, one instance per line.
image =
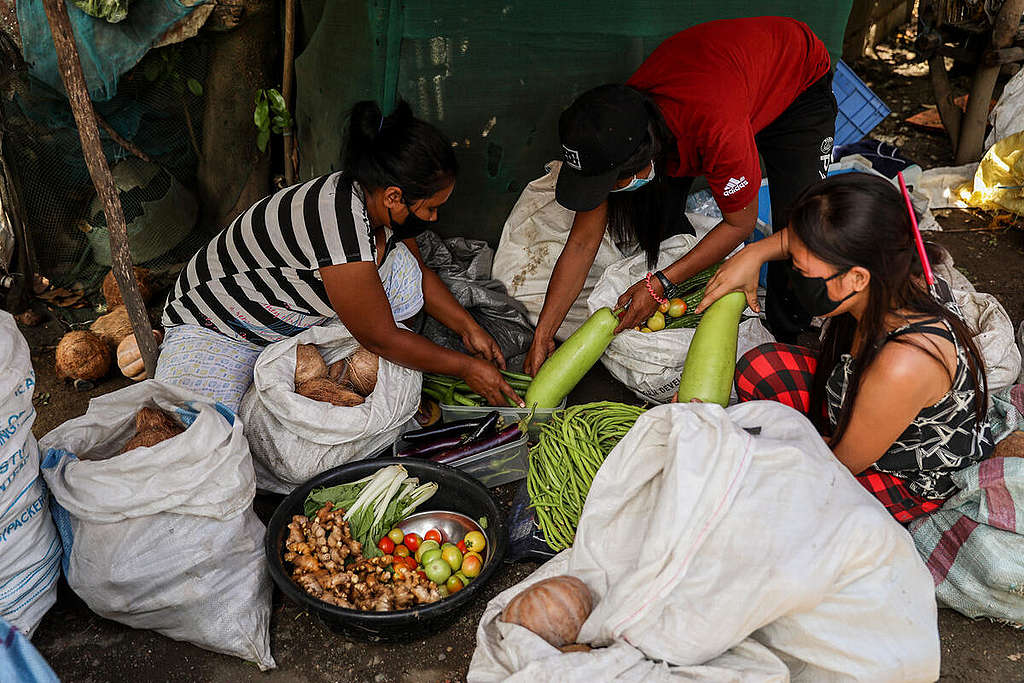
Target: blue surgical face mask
pixel 636 183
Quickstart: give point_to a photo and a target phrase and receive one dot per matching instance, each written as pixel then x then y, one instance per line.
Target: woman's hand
pixel 641 306
pixel 739 273
pixel 482 345
pixel 542 347
pixel 484 379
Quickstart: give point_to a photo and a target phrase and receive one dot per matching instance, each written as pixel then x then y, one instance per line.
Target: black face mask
pixel 412 226
pixel 812 292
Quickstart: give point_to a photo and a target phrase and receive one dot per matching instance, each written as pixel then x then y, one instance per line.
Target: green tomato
pixel 424 547
pixel 463 578
pixel 453 556
pixel 396 536
pixel 438 571
pixel 429 556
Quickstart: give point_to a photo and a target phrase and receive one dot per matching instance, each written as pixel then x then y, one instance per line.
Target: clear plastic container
pixel 501 465
pixel 508 414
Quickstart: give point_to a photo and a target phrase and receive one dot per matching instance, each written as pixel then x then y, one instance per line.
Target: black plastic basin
pixel 456 492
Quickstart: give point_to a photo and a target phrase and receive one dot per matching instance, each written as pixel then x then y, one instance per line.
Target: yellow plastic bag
pixel 999 181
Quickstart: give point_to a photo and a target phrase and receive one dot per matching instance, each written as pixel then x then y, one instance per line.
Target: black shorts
pixel 797 150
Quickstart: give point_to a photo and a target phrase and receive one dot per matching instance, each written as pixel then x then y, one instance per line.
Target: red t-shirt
pixel 718 84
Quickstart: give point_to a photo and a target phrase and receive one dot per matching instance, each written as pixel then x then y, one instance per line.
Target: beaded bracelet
pixel 650 288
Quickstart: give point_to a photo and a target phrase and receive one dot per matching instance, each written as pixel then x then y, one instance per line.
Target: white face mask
pixel 636 183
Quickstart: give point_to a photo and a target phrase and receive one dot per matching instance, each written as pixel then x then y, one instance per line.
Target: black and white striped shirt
pixel 258 280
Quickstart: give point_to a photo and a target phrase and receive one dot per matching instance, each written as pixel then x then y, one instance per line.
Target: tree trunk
pixel 99 171
pixel 972 130
pixel 233 174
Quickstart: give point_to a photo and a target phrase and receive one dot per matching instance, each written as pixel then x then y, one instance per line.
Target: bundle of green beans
pixel 572 447
pixel 454 391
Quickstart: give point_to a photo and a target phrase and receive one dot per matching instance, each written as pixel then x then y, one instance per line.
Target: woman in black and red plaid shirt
pixel 898 387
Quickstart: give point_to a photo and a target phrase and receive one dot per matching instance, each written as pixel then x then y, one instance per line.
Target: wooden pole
pixel 88 132
pixel 287 78
pixel 972 130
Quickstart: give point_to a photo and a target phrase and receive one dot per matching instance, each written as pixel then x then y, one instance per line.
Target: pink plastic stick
pixel 928 277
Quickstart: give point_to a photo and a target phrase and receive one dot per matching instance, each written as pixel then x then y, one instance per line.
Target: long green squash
pixel 711 359
pixel 566 366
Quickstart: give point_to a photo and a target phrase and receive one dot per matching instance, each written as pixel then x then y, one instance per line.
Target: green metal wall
pixel 493 75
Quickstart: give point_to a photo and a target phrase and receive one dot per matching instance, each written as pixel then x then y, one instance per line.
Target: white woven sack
pixel 294 438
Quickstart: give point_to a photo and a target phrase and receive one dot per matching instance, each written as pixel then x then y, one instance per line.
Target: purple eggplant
pixel 507 435
pixel 424 450
pixel 459 427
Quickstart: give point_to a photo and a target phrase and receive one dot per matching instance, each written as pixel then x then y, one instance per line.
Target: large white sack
pixel 163 538
pixel 650 363
pixel 29 546
pixel 294 438
pixel 994 332
pixel 1007 117
pixel 697 536
pixel 531 242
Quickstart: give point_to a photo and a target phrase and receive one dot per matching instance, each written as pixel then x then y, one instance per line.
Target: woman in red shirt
pixel 706 102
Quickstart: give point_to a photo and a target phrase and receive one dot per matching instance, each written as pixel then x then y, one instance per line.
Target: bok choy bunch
pixel 374 505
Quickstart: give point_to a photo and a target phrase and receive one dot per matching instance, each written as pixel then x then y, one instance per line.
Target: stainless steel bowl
pixel 452 525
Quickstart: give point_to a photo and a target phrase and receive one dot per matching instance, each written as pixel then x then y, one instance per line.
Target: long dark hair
pixel 648 215
pixel 399 150
pixel 857 219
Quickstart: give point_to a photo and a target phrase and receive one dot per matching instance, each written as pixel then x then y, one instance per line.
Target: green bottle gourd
pixel 563 370
pixel 711 359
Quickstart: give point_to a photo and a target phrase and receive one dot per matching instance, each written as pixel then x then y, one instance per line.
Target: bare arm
pixel 714 247
pixel 567 280
pixel 358 297
pixel 443 307
pixel 900 382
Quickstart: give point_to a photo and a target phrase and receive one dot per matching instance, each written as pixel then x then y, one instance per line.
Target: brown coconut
pixel 82 355
pixel 113 327
pixel 309 364
pixel 362 371
pixel 149 419
pixel 112 293
pixel 337 370
pixel 151 438
pixel 323 389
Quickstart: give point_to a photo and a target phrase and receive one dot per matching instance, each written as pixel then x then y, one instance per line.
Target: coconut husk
pixel 149 419
pixel 114 326
pixel 575 647
pixel 112 294
pixel 323 389
pixel 337 371
pixel 309 364
pixel 82 355
pixel 362 371
pixel 151 438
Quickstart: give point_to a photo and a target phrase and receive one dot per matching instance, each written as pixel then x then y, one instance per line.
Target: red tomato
pixel 412 541
pixel 409 563
pixel 386 545
pixel 434 535
pixel 461 545
pixel 422 573
pixel 400 551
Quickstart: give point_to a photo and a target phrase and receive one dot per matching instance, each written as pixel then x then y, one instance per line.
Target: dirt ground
pixel 85 648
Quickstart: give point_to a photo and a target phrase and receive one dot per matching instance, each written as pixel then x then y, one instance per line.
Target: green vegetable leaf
pixel 277 101
pixel 195 86
pixel 178 87
pixel 262 139
pixel 261 117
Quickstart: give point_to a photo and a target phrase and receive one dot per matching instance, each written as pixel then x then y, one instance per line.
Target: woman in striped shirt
pixel 339 245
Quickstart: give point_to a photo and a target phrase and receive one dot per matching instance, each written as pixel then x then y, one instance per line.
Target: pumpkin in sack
pixel 554 609
pixel 129 358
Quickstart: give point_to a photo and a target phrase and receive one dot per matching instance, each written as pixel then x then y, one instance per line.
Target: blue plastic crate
pixel 860 110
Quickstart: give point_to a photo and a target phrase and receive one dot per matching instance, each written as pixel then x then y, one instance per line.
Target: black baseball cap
pixel 599 132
